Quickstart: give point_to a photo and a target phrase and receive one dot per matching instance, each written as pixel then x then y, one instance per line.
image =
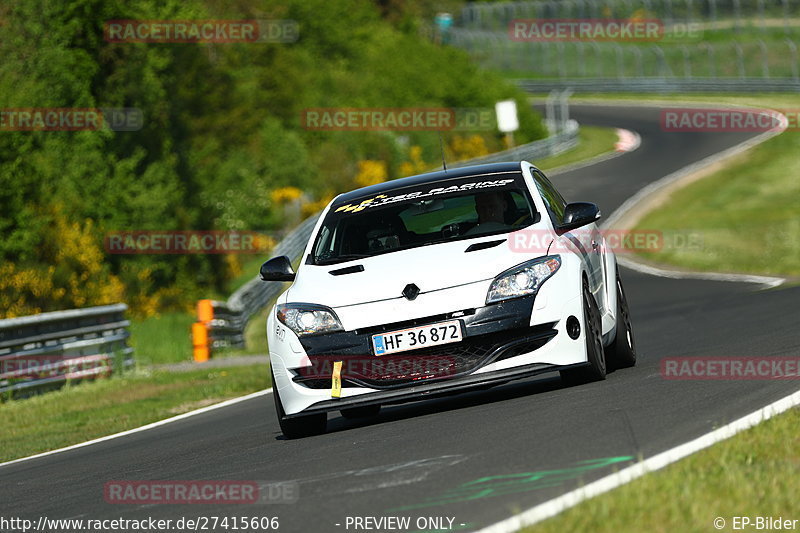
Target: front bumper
pixel 491 333
pixel 500 330
pixel 427 390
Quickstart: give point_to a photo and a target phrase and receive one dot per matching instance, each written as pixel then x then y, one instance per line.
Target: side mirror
pixel 579 214
pixel 277 269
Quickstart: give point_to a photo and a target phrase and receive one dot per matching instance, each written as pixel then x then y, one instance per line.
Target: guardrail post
pixel 689 12
pixel 637 52
pixel 687 65
pixel 764 59
pixel 563 100
pixel 549 112
pixel 712 65
pixel 661 61
pixel 598 59
pixel 579 47
pixel 786 16
pixel 668 19
pixel 793 50
pixel 739 58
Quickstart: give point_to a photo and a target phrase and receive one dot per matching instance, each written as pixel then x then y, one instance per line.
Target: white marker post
pixel 507 121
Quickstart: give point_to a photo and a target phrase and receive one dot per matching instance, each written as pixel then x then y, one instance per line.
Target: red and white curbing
pixel 628 141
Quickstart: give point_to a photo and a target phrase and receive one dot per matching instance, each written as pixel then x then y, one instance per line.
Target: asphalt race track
pixel 478 457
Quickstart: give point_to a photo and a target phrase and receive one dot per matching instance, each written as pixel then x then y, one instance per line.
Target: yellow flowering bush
pixel 76 274
pixel 310 208
pixel 416 163
pixel 284 195
pixel 468 147
pixel 371 172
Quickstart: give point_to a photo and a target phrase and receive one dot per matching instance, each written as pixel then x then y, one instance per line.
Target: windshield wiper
pixel 341 258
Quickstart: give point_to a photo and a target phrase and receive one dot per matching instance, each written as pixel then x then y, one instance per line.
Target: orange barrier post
pixel 200 347
pixel 205 311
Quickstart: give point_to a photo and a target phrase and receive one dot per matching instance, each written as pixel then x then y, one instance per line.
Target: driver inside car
pixel 491 208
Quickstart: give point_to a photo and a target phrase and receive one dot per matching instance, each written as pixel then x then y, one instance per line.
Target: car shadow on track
pixel 442 404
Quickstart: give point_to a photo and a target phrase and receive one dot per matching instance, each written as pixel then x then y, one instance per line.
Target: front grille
pixel 415 366
pixel 423 321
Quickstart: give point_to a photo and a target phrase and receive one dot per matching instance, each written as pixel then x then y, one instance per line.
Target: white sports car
pixel 441 283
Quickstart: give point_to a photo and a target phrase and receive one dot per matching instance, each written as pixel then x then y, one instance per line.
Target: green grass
pixel 743 218
pixel 250 267
pixel 90 410
pixel 755 473
pixel 592 142
pixel 166 338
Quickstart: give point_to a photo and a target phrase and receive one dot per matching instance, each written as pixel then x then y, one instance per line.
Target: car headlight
pixel 308 319
pixel 523 279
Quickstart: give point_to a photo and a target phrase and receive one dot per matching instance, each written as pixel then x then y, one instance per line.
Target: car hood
pixel 430 268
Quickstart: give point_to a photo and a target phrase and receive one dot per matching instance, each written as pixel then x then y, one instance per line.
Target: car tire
pixel 595 370
pixel 301 426
pixel 367 411
pixel 622 352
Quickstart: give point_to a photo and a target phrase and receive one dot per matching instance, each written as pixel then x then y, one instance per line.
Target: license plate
pixel 418 337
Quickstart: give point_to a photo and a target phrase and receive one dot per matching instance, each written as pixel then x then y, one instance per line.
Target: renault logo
pixel 411 291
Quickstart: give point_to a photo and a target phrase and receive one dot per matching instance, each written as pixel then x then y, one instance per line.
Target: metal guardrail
pixel 663 85
pixel 564 140
pixel 217 326
pixel 222 324
pixel 53 348
pixel 254 294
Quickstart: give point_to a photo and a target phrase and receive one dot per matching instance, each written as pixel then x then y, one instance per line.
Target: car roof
pixel 430 177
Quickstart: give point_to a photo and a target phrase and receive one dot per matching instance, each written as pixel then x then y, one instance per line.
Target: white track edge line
pixel 152 425
pixel 561 503
pixel 766 282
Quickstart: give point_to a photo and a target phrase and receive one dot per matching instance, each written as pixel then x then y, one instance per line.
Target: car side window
pixel 325 243
pixel 552 198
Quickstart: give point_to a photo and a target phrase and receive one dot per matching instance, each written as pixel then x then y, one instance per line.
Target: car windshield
pixel 421 215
